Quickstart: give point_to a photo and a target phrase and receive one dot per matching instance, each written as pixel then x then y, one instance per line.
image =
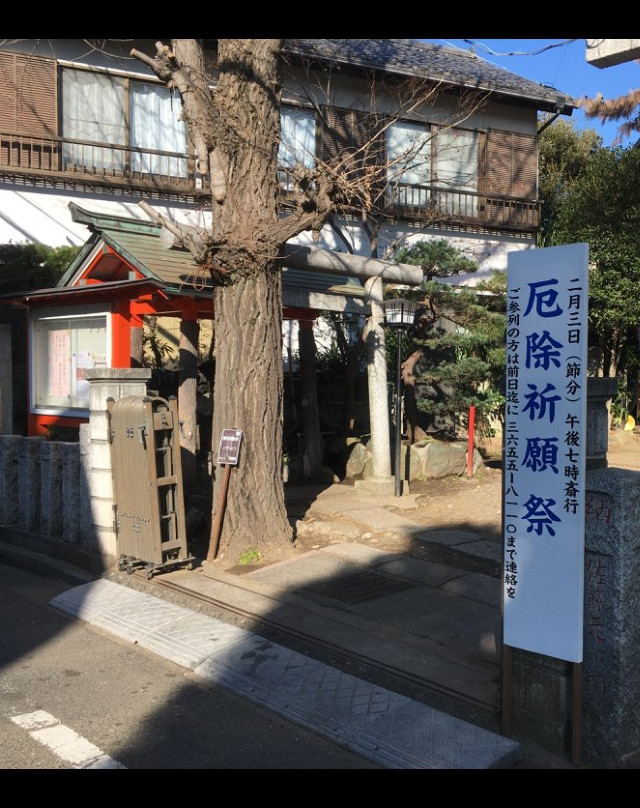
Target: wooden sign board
pixel 229 447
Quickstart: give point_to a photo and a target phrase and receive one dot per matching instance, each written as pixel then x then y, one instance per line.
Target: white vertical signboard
pixel 545 450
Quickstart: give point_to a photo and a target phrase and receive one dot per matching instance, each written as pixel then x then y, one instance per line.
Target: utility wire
pixel 487 49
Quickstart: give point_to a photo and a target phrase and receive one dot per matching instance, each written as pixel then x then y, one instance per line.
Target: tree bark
pixel 248 396
pixel 248 390
pixel 416 432
pixel 234 131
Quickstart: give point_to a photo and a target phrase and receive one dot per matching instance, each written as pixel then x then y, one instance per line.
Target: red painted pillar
pixel 470 445
pixel 121 335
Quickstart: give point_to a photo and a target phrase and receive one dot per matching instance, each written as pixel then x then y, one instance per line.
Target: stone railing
pixel 57 497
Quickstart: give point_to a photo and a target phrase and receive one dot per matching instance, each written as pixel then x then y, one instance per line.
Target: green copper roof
pixel 138 242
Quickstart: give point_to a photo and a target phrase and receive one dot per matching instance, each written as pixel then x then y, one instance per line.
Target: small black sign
pixel 229 448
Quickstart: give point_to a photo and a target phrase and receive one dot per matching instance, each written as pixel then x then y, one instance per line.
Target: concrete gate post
pixel 611 666
pixel 6 381
pixel 105 383
pixel 542 694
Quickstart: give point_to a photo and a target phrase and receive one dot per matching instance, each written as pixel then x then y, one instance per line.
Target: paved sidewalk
pixel 423 620
pixel 384 726
pixel 396 657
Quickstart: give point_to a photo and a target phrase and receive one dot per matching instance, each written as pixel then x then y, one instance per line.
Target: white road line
pixel 64 742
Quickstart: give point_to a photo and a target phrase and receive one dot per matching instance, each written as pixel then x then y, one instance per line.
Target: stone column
pixel 106 383
pixel 611 662
pixel 87 538
pixel 29 483
pixel 11 447
pixel 381 482
pixel 599 390
pixel 6 381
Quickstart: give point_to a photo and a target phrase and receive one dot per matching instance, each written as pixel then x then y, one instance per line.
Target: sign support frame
pixel 228 454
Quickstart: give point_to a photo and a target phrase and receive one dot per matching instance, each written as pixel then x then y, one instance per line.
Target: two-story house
pixel 445 146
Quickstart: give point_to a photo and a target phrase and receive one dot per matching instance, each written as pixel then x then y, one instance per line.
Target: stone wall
pixel 57 497
pixel 42 499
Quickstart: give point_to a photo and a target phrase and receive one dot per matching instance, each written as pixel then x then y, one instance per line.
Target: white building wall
pixel 43 215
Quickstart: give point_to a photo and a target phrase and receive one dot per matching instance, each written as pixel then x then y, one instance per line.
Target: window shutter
pixel 28 99
pixel 511 164
pixel 348 129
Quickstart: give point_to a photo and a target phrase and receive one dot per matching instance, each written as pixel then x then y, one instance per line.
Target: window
pixel 429 166
pixel 297 142
pixel 102 109
pixel 155 125
pixel 409 163
pixel 456 169
pixel 456 159
pixel 93 110
pixel 63 346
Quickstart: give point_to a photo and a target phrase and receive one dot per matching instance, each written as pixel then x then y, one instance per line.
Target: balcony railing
pixel 437 205
pixel 94 163
pixel 134 168
pixel 432 204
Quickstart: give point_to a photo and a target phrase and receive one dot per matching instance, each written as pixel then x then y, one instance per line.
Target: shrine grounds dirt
pixel 469 504
pixel 472 504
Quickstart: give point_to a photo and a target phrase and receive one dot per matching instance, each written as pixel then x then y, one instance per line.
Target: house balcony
pixel 437 206
pixel 55 160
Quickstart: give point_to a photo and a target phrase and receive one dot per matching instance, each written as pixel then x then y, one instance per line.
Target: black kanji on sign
pixel 229 448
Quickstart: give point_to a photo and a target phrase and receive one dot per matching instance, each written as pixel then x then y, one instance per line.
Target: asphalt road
pixel 72 697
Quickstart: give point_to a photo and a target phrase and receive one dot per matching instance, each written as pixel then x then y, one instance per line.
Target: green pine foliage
pixel 459 333
pixel 438 258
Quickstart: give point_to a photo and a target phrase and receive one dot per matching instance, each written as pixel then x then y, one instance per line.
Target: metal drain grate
pixel 359 587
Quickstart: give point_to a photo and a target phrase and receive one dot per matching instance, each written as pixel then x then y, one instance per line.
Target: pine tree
pixel 457 346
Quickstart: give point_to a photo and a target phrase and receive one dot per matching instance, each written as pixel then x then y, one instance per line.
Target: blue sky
pixel 564 67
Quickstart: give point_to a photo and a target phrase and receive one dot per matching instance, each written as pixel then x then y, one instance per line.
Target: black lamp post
pixel 399 314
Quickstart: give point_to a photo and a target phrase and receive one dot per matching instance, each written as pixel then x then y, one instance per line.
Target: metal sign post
pixel 228 452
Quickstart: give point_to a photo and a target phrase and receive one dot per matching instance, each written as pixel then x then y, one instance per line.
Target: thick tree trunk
pixel 248 396
pixel 234 131
pixel 248 389
pixel 412 415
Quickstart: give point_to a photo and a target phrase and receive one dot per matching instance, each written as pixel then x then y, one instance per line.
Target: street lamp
pixel 399 314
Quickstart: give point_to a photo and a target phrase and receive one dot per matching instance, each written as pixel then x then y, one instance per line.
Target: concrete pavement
pixel 393 656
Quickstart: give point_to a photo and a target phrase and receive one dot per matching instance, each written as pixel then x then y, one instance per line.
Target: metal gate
pixel 147 484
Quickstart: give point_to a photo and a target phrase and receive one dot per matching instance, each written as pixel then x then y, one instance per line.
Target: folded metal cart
pixel 147 484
